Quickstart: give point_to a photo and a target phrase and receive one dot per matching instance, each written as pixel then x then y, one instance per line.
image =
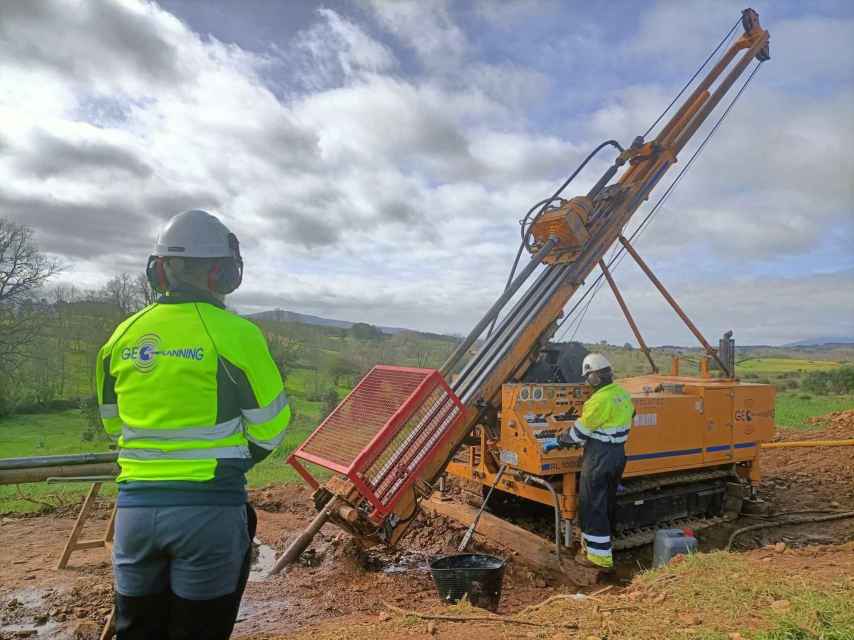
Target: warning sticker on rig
pixel 509 457
pixel 645 420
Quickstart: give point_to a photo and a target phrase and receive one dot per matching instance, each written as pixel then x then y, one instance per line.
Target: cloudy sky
pixel 374 158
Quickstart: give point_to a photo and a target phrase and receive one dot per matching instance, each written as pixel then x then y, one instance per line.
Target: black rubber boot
pixel 142 617
pixel 211 619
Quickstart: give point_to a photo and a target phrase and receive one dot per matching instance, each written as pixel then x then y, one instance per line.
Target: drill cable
pixel 615 260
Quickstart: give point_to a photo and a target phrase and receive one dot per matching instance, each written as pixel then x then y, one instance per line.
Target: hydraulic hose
pixel 542 205
pixel 807 443
pixel 548 485
pixel 783 523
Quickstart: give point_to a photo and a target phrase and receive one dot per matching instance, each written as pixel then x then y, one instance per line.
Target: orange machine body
pixel 682 424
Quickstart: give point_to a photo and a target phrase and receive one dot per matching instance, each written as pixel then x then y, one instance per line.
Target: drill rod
pixel 495 309
pixel 304 539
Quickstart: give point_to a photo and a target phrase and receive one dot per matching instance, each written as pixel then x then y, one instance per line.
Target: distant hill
pixel 814 342
pixel 282 315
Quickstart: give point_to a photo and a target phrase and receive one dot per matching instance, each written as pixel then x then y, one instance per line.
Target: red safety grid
pixel 383 432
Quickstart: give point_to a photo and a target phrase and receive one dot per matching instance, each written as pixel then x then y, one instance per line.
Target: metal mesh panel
pixel 417 437
pixel 354 423
pixel 384 430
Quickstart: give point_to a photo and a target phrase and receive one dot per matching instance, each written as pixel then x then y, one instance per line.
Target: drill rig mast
pixel 391 439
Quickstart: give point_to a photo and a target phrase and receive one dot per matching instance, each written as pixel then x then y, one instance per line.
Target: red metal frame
pixel 355 471
pixel 381 511
pixel 309 479
pixel 386 435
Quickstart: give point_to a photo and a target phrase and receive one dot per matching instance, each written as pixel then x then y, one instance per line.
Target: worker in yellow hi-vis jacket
pixel 194 398
pixel 602 430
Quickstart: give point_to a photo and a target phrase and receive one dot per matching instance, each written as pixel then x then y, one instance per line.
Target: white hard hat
pixel 594 362
pixel 195 234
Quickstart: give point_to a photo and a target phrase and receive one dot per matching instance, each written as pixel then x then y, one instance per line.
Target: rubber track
pixel 640 537
pixel 646 535
pixel 632 486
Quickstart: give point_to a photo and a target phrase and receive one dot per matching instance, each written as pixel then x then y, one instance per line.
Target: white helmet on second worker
pixel 594 362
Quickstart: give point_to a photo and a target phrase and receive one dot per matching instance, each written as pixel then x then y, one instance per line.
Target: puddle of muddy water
pixel 22 622
pixel 262 563
pixel 403 563
pixel 47 630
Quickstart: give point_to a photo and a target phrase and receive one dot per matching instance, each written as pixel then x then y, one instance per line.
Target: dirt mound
pixel 828 471
pixel 801 594
pixel 295 499
pixel 838 425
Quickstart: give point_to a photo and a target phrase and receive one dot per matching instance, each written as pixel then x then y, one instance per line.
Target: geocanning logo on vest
pixel 146 353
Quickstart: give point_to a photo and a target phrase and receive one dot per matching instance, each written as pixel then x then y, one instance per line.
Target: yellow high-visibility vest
pixel 188 387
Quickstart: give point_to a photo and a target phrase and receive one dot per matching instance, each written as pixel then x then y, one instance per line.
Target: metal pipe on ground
pixel 57 461
pixel 304 539
pixel 40 474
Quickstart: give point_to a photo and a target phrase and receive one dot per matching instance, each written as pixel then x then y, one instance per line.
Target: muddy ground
pixel 336 581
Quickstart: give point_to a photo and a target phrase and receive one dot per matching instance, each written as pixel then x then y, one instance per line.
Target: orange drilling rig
pixel 694 446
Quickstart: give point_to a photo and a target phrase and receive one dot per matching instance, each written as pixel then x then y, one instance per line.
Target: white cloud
pixel 760 309
pixel 362 189
pixel 426 27
pixel 333 50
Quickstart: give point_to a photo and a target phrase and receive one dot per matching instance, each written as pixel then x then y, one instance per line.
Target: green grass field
pixel 782 365
pixel 60 433
pixel 792 409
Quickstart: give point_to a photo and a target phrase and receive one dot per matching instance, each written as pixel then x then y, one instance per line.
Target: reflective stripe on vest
pixel 185 454
pixel 216 432
pixel 612 435
pixel 270 444
pixel 265 414
pixel 108 411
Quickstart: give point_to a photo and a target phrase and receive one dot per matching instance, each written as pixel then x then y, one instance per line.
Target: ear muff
pixel 155 273
pixel 213 277
pixel 227 274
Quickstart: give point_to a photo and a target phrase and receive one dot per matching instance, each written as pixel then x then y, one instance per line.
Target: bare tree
pixel 128 293
pixel 23 268
pixel 144 292
pixel 121 292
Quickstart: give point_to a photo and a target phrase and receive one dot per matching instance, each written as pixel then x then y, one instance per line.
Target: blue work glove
pixel 550 444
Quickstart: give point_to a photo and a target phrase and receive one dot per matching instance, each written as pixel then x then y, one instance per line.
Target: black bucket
pixel 476 575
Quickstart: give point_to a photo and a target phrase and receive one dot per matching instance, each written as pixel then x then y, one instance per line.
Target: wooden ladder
pixel 75 544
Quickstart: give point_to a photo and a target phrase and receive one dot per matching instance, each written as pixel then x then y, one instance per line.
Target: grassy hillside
pixel 780 365
pixel 319 365
pixel 63 433
pixel 793 409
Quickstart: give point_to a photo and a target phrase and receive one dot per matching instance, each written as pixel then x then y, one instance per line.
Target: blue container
pixel 670 543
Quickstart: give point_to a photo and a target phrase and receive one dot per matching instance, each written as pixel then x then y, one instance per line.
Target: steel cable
pixel 615 261
pixel 694 77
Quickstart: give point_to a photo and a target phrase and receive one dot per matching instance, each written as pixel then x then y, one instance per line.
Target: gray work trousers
pixel 197 552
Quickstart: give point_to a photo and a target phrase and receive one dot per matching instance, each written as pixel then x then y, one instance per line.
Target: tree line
pixel 50 333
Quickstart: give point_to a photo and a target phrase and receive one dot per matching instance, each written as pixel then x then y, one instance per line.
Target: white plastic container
pixel 670 543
